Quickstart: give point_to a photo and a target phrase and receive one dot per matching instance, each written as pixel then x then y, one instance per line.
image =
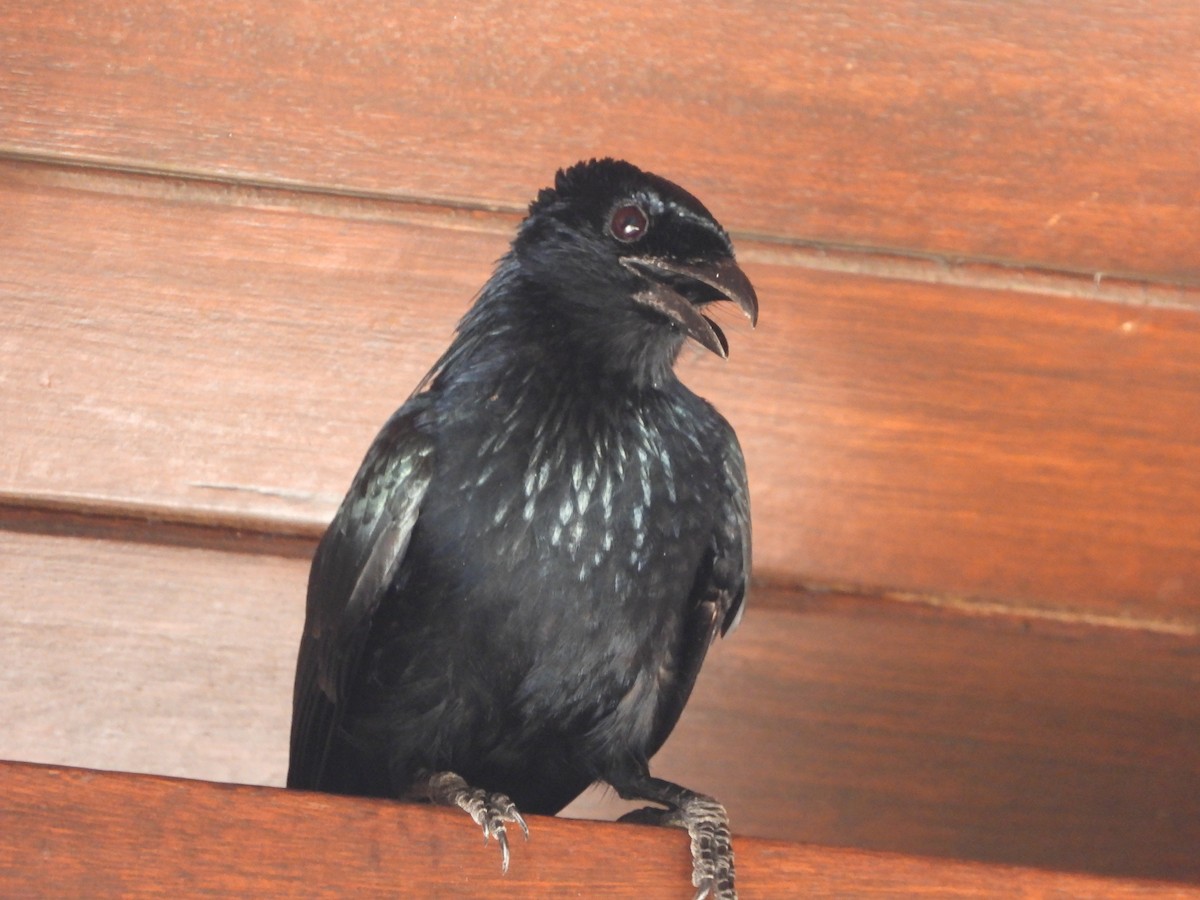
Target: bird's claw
pixel 491 812
pixel 498 810
pixel 712 848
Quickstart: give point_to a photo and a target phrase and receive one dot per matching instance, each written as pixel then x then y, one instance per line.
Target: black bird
pixel 516 595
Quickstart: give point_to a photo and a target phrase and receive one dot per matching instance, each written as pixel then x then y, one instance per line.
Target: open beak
pixel 680 291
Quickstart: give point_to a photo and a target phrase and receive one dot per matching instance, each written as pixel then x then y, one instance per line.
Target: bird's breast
pixel 572 543
pixel 604 505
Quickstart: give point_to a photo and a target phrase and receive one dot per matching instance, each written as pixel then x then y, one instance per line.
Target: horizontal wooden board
pixel 1059 133
pixel 210 357
pixel 839 721
pixel 73 832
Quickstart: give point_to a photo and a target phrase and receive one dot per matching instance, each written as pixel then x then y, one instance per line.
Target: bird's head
pixel 631 261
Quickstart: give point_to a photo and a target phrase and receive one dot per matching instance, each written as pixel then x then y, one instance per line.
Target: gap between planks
pixel 979 606
pixel 456 214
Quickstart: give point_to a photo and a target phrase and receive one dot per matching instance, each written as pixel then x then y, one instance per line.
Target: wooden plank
pixel 1060 133
pixel 148 658
pixel 841 721
pixel 73 832
pixel 213 357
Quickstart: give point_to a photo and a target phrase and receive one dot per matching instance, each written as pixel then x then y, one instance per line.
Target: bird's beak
pixel 680 291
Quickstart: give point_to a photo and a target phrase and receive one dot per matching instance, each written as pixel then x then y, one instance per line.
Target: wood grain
pixel 1061 134
pixel 74 832
pixel 233 236
pixel 177 356
pixel 835 720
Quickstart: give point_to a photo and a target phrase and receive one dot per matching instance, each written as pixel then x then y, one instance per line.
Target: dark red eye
pixel 628 223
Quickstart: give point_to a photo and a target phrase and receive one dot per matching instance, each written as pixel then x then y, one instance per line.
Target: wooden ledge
pixel 79 832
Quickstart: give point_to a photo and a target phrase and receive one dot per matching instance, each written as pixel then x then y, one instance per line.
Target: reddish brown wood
pixel 983 437
pixel 196 356
pixel 65 520
pixel 1061 133
pixel 841 721
pixel 74 832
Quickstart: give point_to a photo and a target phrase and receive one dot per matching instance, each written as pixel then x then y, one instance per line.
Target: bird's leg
pixel 706 823
pixel 490 811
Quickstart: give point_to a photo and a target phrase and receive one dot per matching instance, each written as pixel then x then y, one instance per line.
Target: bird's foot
pixel 491 812
pixel 707 824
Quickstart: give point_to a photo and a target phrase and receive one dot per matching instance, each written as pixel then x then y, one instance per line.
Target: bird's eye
pixel 628 223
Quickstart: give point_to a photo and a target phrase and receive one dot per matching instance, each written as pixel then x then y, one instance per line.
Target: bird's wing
pixel 355 562
pixel 719 593
pixel 731 563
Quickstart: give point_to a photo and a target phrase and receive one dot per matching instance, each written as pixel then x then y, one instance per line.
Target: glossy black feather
pixel 524 579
